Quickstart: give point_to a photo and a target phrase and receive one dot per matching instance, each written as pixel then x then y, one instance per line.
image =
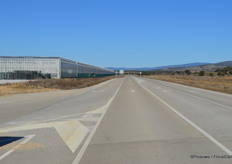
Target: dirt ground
pixel 45 85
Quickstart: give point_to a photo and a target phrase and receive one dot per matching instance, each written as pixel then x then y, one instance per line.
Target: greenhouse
pixel 47 67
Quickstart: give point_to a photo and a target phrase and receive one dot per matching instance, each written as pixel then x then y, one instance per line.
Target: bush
pixel 201 73
pixel 221 73
pixel 211 74
pixel 188 72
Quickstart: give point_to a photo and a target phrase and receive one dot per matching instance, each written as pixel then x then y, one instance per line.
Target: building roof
pixel 47 57
pixel 38 57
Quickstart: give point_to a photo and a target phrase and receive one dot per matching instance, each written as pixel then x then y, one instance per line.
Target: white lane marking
pixel 90 128
pixel 87 116
pixel 132 91
pixel 96 91
pixel 84 147
pixel 138 80
pixel 195 88
pixel 97 111
pixel 191 123
pixel 72 132
pixel 28 138
pixel 192 91
pixel 91 119
pixel 208 100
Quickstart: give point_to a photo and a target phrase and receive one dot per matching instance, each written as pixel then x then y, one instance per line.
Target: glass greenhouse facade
pixel 47 67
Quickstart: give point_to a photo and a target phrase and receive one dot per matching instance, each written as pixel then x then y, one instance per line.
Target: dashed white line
pixel 193 91
pixel 195 88
pixel 208 101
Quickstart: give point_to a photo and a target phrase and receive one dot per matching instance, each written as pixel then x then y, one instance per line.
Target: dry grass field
pixel 221 84
pixel 49 85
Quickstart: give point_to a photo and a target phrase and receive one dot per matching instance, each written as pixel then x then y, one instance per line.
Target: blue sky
pixel 119 33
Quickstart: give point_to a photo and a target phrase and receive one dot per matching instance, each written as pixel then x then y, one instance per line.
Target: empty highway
pixel 130 120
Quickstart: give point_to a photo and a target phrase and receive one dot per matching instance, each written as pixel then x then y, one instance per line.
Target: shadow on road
pixel 7 140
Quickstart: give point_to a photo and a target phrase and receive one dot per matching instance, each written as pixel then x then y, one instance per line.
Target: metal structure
pixel 12 67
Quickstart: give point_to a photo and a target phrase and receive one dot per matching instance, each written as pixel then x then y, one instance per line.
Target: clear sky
pixel 119 33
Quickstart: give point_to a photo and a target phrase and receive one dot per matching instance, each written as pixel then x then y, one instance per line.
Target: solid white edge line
pixel 28 138
pixel 191 123
pixel 86 144
pixel 224 106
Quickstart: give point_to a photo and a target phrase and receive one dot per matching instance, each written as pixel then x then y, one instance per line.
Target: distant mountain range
pixel 190 66
pixel 206 67
pixel 157 68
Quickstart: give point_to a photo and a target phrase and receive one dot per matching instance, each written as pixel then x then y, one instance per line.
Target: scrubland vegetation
pixel 215 83
pixel 218 80
pixel 44 85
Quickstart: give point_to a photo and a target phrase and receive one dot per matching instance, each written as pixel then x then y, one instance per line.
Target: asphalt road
pixel 126 120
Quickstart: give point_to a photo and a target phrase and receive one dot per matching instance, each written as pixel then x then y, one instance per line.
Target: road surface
pixel 125 120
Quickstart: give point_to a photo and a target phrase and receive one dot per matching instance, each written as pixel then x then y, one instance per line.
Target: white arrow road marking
pixel 132 91
pixel 28 138
pixel 72 132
